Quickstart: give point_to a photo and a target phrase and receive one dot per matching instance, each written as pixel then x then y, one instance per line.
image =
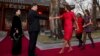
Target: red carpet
pixel 6 45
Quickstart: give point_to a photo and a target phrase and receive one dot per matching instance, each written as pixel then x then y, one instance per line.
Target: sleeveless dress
pixel 68 25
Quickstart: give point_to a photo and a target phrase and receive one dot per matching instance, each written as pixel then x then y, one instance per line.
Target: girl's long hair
pixel 87 12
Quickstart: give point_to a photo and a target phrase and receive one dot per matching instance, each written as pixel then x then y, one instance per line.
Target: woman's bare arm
pixel 57 17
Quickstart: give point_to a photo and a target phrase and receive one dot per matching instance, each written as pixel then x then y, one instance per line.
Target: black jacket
pixel 16 24
pixel 33 20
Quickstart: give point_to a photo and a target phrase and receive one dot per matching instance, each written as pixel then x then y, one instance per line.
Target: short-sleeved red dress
pixel 80 25
pixel 68 24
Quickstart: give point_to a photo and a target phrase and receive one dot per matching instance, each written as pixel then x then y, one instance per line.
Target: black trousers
pixel 79 37
pixel 17 46
pixel 32 42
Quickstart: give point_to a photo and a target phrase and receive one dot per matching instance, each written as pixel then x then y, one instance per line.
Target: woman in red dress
pixel 68 17
pixel 79 32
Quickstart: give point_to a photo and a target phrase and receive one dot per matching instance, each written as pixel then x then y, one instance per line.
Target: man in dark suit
pixel 34 28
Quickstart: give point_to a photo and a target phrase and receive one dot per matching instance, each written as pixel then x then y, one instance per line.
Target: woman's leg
pixel 91 39
pixel 64 45
pixel 70 47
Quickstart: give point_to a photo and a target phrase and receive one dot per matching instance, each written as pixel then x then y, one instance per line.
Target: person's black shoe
pixel 83 46
pixel 93 45
pixel 80 44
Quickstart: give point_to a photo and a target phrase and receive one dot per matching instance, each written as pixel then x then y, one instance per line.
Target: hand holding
pixel 84 26
pixel 17 31
pixel 50 18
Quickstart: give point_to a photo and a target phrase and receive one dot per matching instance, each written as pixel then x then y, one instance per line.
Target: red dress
pixel 80 25
pixel 68 25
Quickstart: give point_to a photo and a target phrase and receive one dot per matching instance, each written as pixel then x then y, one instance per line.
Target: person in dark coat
pixel 34 27
pixel 16 34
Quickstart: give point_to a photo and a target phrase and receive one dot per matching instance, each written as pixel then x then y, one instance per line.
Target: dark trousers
pixel 17 46
pixel 32 42
pixel 79 37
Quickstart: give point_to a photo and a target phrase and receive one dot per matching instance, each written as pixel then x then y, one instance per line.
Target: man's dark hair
pixel 34 4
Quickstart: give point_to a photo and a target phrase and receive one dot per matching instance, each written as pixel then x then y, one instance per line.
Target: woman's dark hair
pixel 69 7
pixel 87 12
pixel 16 10
pixel 80 15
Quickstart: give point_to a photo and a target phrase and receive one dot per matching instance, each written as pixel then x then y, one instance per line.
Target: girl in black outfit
pixel 79 32
pixel 16 34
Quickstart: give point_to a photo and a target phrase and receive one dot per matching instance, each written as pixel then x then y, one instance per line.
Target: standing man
pixel 34 28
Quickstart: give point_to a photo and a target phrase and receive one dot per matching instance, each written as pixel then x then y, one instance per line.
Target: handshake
pixel 50 18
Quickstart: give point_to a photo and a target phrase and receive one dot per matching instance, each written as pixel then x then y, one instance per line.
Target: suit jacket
pixel 33 20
